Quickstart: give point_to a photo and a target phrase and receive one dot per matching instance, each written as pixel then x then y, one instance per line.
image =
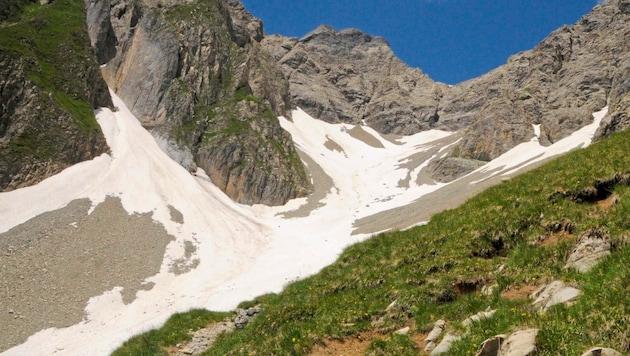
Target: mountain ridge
pixel 221 250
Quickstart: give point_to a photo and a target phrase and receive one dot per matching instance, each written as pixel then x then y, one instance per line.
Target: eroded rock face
pixel 558 84
pixel 349 76
pixel 47 98
pixel 195 75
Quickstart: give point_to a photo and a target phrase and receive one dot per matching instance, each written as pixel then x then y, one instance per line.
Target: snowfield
pixel 241 251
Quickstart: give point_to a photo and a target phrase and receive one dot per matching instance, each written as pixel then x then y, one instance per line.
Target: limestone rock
pixel 349 76
pixel 468 322
pixel 445 345
pixel 601 351
pixel 195 75
pixel 554 293
pixel 591 246
pixel 448 169
pixel 403 331
pixel 520 343
pixel 558 85
pixel 435 333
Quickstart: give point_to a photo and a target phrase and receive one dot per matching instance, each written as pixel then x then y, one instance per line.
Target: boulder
pixel 435 333
pixel 520 343
pixel 468 322
pixel 592 246
pixel 552 294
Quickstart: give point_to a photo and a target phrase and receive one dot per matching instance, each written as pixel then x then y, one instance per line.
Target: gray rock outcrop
pixel 445 345
pixel 351 77
pixel 433 336
pixel 348 76
pixel 591 246
pixel 195 75
pixel 556 292
pixel 519 343
pixel 577 70
pixel 49 84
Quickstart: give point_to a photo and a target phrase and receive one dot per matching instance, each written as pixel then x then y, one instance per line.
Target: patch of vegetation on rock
pixel 51 83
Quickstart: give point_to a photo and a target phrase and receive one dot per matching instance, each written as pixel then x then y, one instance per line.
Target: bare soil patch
pixel 519 292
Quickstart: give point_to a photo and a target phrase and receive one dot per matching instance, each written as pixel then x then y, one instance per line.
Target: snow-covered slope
pixel 242 251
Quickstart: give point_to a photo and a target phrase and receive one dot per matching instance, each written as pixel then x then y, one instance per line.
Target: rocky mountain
pixel 197 77
pixel 572 73
pixel 207 82
pixel 351 77
pixel 49 84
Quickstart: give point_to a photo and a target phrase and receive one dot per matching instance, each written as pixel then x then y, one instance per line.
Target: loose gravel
pixel 53 264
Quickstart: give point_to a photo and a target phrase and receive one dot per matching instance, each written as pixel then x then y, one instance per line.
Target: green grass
pixel 174 331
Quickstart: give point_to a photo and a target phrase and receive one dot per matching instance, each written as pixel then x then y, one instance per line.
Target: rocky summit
pixel 349 76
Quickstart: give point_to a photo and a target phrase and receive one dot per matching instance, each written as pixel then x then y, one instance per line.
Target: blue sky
pixel 450 40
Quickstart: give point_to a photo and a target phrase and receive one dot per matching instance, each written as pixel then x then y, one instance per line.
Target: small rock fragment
pixel 478 317
pixel 403 331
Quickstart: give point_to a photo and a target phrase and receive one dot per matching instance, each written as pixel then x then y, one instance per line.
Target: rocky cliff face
pixel 196 76
pixel 348 76
pixel 49 85
pixel 558 84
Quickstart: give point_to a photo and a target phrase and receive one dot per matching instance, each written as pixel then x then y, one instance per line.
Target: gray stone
pixel 520 343
pixel 592 246
pixel 437 330
pixel 403 331
pixel 552 294
pixel 468 322
pixel 430 346
pixel 445 345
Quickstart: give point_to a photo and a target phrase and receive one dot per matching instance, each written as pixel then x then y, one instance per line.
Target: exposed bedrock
pixel 195 75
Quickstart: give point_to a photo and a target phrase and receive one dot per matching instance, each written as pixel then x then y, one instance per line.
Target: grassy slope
pixel 49 38
pixel 428 269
